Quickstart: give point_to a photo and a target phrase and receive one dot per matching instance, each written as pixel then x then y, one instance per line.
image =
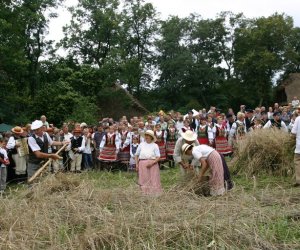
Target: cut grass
pixel 103 210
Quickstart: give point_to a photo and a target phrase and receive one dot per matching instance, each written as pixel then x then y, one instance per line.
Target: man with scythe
pixel 38 143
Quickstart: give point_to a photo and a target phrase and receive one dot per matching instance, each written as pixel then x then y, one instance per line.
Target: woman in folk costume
pixel 171 139
pixel 211 130
pixel 124 154
pixel 238 129
pixel 202 132
pixel 147 158
pixel 209 159
pixel 221 141
pixel 161 137
pixel 186 127
pixel 257 125
pixel 109 146
pixel 170 143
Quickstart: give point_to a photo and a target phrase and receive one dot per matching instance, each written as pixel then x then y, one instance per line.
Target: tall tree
pixel 93 33
pixel 139 27
pixel 259 54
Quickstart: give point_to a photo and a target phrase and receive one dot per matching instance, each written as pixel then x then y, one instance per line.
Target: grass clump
pixel 265 151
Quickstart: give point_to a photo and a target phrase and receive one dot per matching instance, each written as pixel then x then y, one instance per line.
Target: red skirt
pixel 170 147
pixel 222 145
pixel 203 140
pixel 124 155
pixel 108 153
pixel 162 150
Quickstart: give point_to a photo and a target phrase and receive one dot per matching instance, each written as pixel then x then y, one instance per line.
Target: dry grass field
pixel 103 210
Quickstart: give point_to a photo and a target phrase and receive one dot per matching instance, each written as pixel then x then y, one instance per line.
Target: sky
pixel 206 8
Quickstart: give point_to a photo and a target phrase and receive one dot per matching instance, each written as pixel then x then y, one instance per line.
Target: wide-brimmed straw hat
pixel 36 124
pixel 150 133
pixel 189 135
pixel 17 130
pixel 185 147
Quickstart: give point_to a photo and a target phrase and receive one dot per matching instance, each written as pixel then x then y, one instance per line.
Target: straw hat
pixel 36 124
pixel 77 130
pixel 189 135
pixel 83 125
pixel 17 130
pixel 50 130
pixel 150 133
pixel 185 147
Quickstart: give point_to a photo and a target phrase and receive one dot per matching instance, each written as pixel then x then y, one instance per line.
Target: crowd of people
pixel 199 138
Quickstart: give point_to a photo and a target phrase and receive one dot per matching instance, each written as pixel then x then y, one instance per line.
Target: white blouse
pixel 147 151
pixel 201 151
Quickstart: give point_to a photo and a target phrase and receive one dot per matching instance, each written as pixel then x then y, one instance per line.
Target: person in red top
pixel 161 136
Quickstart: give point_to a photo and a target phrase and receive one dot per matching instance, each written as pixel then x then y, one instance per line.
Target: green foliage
pixel 177 63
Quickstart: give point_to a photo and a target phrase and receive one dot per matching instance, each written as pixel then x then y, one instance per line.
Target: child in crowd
pixel 4 161
pixel 133 147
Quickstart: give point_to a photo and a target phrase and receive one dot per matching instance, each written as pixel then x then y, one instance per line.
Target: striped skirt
pixel 222 145
pixel 124 155
pixel 149 178
pixel 162 150
pixel 203 140
pixel 216 181
pixel 108 153
pixel 170 147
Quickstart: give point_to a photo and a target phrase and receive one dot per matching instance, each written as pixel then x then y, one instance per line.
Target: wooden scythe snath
pixel 131 97
pixel 41 169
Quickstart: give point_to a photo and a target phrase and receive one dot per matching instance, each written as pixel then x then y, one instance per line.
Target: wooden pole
pixel 41 169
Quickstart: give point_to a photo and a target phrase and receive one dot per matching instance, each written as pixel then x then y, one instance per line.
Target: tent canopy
pixel 5 127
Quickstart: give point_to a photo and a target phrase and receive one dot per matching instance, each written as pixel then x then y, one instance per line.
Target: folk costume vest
pixel 202 131
pixel 43 146
pixel 171 134
pixel 76 143
pixel 275 124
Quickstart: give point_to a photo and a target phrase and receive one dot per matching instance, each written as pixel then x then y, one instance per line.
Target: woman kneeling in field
pixel 147 157
pixel 209 158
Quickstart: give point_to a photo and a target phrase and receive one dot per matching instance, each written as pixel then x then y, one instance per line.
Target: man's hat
pixel 50 130
pixel 77 131
pixel 36 124
pixel 189 135
pixel 17 130
pixel 277 113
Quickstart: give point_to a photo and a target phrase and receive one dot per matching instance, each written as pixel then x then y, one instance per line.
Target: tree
pixel 259 53
pixel 93 32
pixel 139 27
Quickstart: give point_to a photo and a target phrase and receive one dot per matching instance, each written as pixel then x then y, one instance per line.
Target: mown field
pixel 103 210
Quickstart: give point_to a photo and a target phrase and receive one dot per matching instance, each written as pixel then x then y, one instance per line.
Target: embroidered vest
pixel 110 140
pixel 202 132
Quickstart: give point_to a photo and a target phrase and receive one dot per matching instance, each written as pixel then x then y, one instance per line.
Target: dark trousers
pixel 227 177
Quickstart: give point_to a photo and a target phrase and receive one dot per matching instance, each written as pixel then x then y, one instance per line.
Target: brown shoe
pixel 296 185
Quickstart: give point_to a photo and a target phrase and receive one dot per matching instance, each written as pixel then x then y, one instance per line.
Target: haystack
pixel 266 151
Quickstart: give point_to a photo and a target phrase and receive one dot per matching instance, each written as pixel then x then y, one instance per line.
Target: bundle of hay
pixel 264 151
pixel 190 182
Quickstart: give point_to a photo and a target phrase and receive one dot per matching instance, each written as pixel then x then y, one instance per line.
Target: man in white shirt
pixel 38 146
pixel 188 137
pixel 76 148
pixel 296 133
pixel 13 144
pixel 276 123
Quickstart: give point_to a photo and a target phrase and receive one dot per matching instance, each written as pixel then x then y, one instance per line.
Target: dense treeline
pixel 176 63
